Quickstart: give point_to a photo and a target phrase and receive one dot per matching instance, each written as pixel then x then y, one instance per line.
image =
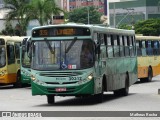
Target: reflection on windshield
pixel 67 55
pixel 2 57
pixel 25 59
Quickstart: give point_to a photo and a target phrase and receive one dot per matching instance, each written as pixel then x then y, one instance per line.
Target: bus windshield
pixel 25 59
pixel 2 56
pixel 63 55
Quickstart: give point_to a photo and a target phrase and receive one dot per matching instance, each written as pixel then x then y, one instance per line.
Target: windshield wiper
pixel 49 46
pixel 70 45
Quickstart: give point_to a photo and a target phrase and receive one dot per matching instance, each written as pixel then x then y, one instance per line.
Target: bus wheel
pixel 50 99
pixel 149 78
pixel 123 91
pixel 18 83
pixel 150 74
pixel 99 97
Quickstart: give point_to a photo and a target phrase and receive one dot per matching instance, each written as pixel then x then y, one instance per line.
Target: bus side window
pixel 138 45
pixel 95 37
pixel 149 48
pixel 103 45
pixel 116 46
pixel 126 48
pixel 121 46
pixel 105 39
pixel 159 48
pixel 155 47
pixel 143 48
pixel 131 48
pixel 17 50
pixel 101 36
pixel 109 46
pixel 134 43
pixel 10 54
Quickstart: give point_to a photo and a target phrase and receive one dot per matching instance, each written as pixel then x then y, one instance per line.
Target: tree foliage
pixel 24 11
pixel 17 12
pixel 43 10
pixel 80 15
pixel 125 26
pixel 148 27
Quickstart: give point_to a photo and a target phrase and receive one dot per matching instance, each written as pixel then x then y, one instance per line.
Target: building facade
pixel 129 12
pixel 69 5
pixel 73 4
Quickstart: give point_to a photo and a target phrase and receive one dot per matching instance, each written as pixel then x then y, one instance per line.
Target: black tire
pixel 117 93
pixel 143 79
pixel 99 97
pixel 123 91
pixel 50 99
pixel 150 74
pixel 18 83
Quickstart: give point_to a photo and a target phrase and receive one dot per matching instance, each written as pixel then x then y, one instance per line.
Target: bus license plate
pixel 60 89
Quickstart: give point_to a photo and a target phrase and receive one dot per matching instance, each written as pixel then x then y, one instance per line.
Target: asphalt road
pixel 142 97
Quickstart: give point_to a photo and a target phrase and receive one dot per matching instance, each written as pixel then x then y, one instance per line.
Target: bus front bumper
pixel 68 90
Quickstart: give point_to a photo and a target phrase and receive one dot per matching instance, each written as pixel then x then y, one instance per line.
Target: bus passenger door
pixel 17 55
pixel 11 68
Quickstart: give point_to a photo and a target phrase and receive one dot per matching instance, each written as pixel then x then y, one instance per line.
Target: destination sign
pixel 61 31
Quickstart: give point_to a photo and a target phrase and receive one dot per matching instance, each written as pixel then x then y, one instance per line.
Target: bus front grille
pixel 61 83
pixel 59 74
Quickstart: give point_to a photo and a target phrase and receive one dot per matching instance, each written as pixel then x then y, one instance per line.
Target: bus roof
pixel 13 38
pixel 147 37
pixel 92 27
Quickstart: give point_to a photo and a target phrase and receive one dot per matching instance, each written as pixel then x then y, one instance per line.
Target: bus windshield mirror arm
pixel 49 46
pixel 70 46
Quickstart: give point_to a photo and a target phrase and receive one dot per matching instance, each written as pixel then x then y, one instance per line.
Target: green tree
pixel 125 26
pixel 17 12
pixel 80 15
pixel 9 30
pixel 43 10
pixel 148 27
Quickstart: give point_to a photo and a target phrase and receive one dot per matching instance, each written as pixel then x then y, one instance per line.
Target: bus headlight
pixel 33 77
pixel 39 82
pixel 25 73
pixel 3 72
pixel 90 77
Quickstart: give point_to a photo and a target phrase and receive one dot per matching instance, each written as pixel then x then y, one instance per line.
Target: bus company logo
pixel 6 114
pixel 21 114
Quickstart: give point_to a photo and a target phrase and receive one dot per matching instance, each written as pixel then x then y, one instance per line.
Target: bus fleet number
pixel 75 78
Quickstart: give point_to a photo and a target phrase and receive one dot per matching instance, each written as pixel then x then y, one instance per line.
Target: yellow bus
pixel 10 60
pixel 148 55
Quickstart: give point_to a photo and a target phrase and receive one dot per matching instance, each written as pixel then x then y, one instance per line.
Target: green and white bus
pixel 61 65
pixel 25 64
